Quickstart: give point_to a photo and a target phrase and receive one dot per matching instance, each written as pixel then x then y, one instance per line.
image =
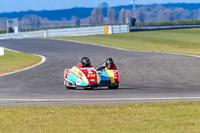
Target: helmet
pixel 109 63
pixel 85 61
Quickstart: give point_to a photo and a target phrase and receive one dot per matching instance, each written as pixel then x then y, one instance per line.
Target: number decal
pixel 81 75
pixel 91 75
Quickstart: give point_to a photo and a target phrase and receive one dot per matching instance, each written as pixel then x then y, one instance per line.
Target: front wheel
pixel 113 87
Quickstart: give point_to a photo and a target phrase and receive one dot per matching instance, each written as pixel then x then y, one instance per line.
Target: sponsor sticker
pixel 78 82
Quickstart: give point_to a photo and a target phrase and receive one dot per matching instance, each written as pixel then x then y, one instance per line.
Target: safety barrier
pixel 80 31
pixel 120 29
pixel 1 51
pixel 146 28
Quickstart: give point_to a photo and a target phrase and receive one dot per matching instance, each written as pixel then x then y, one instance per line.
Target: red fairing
pixel 116 75
pixel 65 73
pixel 91 74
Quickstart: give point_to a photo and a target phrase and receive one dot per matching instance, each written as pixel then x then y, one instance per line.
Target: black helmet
pixel 109 63
pixel 85 61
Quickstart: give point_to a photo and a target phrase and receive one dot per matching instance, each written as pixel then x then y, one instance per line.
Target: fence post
pixel 1 51
pixel 45 34
pixel 128 28
pixel 110 31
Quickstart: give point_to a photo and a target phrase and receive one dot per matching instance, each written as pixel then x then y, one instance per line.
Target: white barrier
pixel 79 31
pixel 1 51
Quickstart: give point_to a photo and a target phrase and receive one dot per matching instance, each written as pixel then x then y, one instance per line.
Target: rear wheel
pixel 113 87
pixel 88 88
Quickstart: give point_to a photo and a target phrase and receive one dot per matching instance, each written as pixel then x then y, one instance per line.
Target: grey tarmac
pixel 144 76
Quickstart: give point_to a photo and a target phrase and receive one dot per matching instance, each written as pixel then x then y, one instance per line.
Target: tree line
pixel 104 14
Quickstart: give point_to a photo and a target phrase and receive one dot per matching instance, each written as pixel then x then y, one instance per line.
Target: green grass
pixel 2 31
pixel 177 117
pixel 185 41
pixel 13 61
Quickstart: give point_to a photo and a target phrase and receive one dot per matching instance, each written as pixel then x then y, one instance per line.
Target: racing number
pixel 91 75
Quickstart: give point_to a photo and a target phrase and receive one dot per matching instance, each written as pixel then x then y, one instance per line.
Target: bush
pixel 2 31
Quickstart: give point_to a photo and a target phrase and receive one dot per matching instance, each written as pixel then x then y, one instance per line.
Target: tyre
pixel 88 88
pixel 68 87
pixel 113 87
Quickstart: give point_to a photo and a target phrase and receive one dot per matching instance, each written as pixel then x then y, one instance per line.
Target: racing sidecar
pixel 108 78
pixel 90 78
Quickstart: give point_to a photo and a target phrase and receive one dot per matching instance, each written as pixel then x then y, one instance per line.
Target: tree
pixel 97 16
pixel 141 16
pixel 128 16
pixel 76 20
pixel 171 16
pixel 198 16
pixel 35 21
pixel 111 13
pixel 31 21
pixel 122 16
pixel 3 23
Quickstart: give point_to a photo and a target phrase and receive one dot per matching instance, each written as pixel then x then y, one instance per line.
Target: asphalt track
pixel 144 76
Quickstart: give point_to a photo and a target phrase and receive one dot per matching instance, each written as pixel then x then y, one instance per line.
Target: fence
pixel 120 29
pixel 80 31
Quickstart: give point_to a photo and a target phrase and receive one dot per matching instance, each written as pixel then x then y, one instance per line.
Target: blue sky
pixel 23 5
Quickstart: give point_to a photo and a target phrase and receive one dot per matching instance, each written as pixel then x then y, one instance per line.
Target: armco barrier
pixel 1 51
pixel 146 28
pixel 120 29
pixel 76 31
pixel 21 35
pixel 81 31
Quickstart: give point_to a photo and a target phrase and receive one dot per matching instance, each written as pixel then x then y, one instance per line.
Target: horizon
pixel 19 8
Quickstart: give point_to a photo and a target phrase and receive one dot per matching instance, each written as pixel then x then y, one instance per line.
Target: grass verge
pixel 174 117
pixel 13 61
pixel 184 41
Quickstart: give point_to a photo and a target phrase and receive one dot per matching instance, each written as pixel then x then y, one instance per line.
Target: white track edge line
pixel 124 49
pixel 106 99
pixel 41 62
